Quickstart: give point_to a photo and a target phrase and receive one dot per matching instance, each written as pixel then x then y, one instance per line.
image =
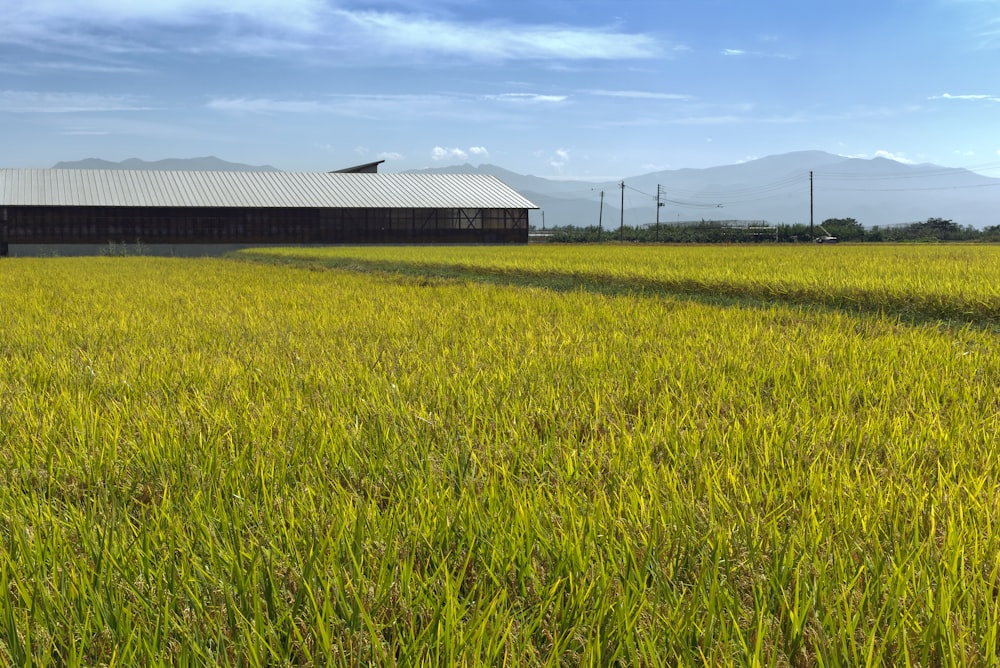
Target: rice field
pixel 535 456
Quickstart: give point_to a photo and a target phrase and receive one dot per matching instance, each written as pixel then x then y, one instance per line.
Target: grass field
pixel 502 456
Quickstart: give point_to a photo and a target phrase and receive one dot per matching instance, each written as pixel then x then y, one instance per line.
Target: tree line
pixel 844 229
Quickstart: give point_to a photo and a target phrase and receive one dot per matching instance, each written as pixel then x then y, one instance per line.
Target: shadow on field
pixel 909 308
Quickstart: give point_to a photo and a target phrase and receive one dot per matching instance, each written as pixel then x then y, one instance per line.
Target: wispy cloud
pixel 881 153
pixel 559 160
pixel 356 106
pixel 991 34
pixel 267 106
pixel 701 114
pixel 296 14
pixel 13 101
pixel 642 95
pixel 526 98
pixel 442 106
pixel 898 157
pixel 439 153
pixel 743 53
pixel 270 27
pixel 380 155
pixel 28 69
pixel 983 21
pixel 497 41
pixel 555 159
pixel 967 98
pixel 709 119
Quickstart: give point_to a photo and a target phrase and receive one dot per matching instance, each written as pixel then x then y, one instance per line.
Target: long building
pixel 54 206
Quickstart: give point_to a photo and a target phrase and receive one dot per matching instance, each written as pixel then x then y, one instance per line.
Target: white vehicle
pixel 827 238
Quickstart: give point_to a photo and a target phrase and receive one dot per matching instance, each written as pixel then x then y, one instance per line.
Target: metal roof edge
pixel 254 189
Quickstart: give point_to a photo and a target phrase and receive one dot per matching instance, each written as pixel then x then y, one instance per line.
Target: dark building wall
pixel 102 225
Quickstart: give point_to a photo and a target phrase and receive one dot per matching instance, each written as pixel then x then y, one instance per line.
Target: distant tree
pixel 932 229
pixel 795 233
pixel 941 226
pixel 876 233
pixel 707 232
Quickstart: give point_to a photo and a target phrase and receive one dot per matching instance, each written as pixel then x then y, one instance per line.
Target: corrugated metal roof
pixel 137 188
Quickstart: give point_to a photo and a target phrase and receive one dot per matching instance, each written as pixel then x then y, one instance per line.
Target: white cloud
pixel 443 153
pixel 297 14
pixel 898 157
pixel 14 101
pixel 303 28
pixel 389 155
pixel 756 54
pixel 496 41
pixel 642 95
pixel 266 106
pixel 22 68
pixel 526 98
pixel 353 106
pixel 558 159
pixel 968 98
pixel 888 155
pixel 439 153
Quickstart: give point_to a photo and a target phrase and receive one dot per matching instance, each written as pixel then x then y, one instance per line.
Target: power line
pixel 782 184
pixel 923 173
pixel 923 189
pixel 692 205
pixel 791 184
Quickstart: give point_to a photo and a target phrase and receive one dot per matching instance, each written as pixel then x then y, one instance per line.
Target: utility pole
pixel 659 189
pixel 600 219
pixel 811 233
pixel 621 227
pixel 543 221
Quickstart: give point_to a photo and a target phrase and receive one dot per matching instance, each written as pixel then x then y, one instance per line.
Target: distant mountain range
pixel 774 189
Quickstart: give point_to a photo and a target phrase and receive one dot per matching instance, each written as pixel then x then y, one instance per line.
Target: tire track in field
pixel 911 307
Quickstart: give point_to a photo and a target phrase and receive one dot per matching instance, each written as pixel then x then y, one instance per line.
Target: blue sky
pixel 556 88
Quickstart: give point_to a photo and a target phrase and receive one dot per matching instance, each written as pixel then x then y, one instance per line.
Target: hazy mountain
pixel 520 182
pixel 206 164
pixel 776 189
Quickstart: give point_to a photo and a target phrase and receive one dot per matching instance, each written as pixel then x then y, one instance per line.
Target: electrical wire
pixel 905 190
pixel 790 185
